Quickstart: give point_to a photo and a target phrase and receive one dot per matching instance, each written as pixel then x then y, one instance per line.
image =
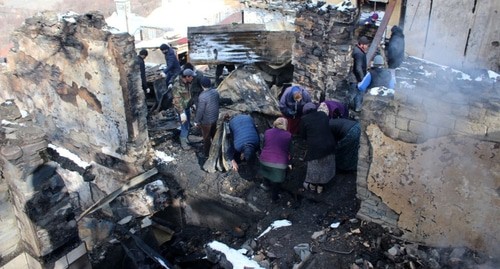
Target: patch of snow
pixel 68 16
pixel 6 122
pixel 163 157
pixel 464 76
pixel 381 91
pixel 275 225
pixel 493 75
pixel 335 225
pixel 24 113
pixel 407 85
pixel 238 260
pixel 67 154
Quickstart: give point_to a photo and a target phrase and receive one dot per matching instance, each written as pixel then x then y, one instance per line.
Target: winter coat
pixel 181 93
pixel 340 127
pixel 173 66
pixel 243 132
pixel 289 107
pixel 380 77
pixel 315 130
pixel 359 65
pixel 335 105
pixel 276 149
pixel 208 107
pixel 196 88
pixel 395 49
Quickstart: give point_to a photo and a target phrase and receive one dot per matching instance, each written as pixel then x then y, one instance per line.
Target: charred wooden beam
pixel 239 44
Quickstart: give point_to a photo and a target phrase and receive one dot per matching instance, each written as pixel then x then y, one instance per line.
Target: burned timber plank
pixel 239 44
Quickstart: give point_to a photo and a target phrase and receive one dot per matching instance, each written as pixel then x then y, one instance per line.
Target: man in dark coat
pixel 173 67
pixel 142 67
pixel 395 49
pixel 207 114
pixel 347 133
pixel 359 57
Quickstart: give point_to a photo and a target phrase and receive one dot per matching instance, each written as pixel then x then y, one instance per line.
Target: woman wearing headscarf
pixel 291 103
pixel 275 155
pixel 320 155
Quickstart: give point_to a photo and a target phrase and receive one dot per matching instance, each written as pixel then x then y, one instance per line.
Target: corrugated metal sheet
pixel 239 44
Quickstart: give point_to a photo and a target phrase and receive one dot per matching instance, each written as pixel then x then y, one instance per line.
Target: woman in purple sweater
pixel 275 155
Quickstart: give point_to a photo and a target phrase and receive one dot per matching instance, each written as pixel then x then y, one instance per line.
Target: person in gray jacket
pixel 207 113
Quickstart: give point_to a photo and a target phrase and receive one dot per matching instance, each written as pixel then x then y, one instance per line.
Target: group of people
pixel 330 136
pixel 378 75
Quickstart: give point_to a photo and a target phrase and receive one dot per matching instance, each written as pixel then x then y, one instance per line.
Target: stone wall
pixel 42 206
pixel 80 81
pixel 429 161
pixel 322 50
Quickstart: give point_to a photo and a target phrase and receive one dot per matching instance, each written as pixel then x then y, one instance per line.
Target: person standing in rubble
pixel 378 76
pixel 207 114
pixel 275 155
pixel 359 58
pixel 173 67
pixel 181 92
pixel 320 155
pixel 395 49
pixel 196 87
pixel 142 68
pixel 244 141
pixel 347 133
pixel 291 103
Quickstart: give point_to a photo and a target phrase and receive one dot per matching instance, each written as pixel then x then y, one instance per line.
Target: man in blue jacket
pixel 245 140
pixel 173 67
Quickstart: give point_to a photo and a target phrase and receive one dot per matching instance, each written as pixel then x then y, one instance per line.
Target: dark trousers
pixel 207 132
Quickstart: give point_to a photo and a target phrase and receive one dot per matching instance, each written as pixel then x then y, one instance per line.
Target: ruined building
pixel 429 162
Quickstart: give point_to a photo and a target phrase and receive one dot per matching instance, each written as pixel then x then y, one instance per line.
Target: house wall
pixel 462 33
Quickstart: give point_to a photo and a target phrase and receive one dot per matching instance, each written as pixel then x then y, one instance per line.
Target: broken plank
pixel 131 183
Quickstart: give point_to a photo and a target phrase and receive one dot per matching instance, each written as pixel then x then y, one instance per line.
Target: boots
pixel 184 143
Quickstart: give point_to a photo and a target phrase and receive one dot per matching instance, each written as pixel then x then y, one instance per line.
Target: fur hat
pixel 280 123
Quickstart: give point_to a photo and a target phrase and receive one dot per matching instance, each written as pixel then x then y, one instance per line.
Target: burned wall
pixel 80 81
pixel 429 161
pixel 323 47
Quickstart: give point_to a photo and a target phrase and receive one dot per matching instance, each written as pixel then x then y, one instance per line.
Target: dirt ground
pixel 350 243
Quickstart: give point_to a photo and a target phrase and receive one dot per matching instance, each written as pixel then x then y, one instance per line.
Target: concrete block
pixel 471 128
pixel 412 113
pixel 23 260
pixel 422 129
pixel 402 123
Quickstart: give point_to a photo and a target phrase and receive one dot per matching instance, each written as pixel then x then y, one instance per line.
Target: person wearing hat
pixel 372 20
pixel 207 113
pixel 320 155
pixel 173 67
pixel 378 76
pixel 244 141
pixel 275 155
pixel 181 93
pixel 359 58
pixel 291 103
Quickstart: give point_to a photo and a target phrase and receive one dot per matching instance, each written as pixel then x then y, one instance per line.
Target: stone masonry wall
pixel 43 208
pixel 429 161
pixel 322 50
pixel 81 82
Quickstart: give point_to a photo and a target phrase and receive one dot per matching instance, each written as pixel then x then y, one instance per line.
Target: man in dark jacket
pixel 173 67
pixel 395 48
pixel 245 140
pixel 142 67
pixel 359 57
pixel 207 113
